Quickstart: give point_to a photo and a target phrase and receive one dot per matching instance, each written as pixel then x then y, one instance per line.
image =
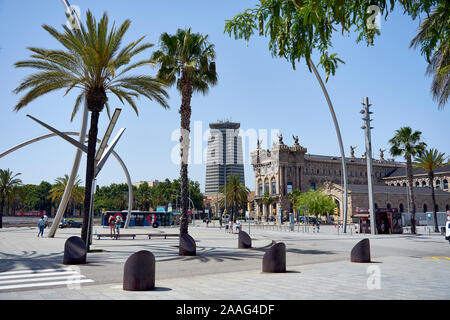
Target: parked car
pixel 70 224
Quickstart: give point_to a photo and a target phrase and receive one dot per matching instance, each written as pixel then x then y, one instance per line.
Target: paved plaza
pixel 318 266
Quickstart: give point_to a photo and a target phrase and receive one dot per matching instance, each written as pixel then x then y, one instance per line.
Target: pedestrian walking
pixel 41 226
pixel 318 226
pixel 112 225
pixel 238 226
pixel 118 225
pixel 230 226
pixel 45 221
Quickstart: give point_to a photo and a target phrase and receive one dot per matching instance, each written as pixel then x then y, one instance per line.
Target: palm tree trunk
pixel 90 172
pixel 2 205
pixel 433 198
pixel 185 113
pixel 235 206
pixel 412 202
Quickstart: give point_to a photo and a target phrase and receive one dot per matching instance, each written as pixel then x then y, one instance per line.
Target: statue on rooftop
pixel 352 151
pixel 296 140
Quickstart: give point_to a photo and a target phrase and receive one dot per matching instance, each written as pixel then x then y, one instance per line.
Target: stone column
pixel 299 178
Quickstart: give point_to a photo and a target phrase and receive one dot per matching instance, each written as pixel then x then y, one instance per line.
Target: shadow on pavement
pixel 30 260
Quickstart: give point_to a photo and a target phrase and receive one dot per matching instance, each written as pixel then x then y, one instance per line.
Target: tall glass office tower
pixel 224 155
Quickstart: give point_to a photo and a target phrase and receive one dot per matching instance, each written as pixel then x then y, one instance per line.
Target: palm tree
pixel 293 198
pixel 186 59
pixel 94 62
pixel 267 199
pixel 433 28
pixel 407 143
pixel 57 191
pixel 8 181
pixel 236 193
pixel 429 161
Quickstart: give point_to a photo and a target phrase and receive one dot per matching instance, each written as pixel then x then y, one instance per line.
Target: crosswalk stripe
pixel 40 278
pixel 32 275
pixel 44 284
pixel 68 277
pixel 35 271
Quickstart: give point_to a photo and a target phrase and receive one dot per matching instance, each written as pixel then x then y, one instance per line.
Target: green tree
pixel 267 200
pixel 407 144
pixel 236 193
pixel 316 201
pixel 429 161
pixel 297 28
pixel 186 59
pixel 143 197
pixel 433 39
pixel 57 191
pixel 8 181
pixel 93 62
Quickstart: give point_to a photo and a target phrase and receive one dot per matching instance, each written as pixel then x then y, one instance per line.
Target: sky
pixel 260 92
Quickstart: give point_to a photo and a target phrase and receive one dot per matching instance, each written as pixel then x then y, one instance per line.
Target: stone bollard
pixel 74 251
pixel 244 240
pixel 139 272
pixel 274 260
pixel 187 245
pixel 361 252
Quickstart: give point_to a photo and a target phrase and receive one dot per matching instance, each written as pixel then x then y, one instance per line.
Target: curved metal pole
pixel 127 174
pixel 341 147
pixel 76 165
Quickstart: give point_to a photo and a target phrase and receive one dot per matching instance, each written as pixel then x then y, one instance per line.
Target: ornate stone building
pixel 420 178
pixel 285 168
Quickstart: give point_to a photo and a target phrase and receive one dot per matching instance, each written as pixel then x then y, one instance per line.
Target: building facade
pixel 224 156
pixel 285 168
pixel 420 178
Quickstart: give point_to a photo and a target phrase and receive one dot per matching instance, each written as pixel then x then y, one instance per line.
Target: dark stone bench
pixel 187 245
pixel 115 236
pixel 274 260
pixel 244 240
pixel 165 235
pixel 133 235
pixel 361 252
pixel 139 272
pixel 74 251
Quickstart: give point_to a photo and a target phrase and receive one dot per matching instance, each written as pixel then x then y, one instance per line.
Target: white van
pixel 447 231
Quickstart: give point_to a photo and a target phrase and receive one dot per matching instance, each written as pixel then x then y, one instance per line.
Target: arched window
pixel 274 186
pixel 438 184
pixel 445 184
pixel 437 208
pixel 398 184
pixel 266 186
pixel 260 188
pixel 388 205
pixel 401 208
pixel 417 184
pixel 425 208
pixel 424 184
pixel 376 205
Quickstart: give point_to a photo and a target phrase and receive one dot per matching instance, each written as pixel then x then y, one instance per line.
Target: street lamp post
pixel 366 113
